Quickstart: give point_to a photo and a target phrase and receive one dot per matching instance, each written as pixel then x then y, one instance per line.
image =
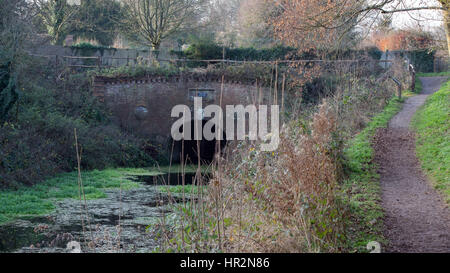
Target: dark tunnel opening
pixel 189 148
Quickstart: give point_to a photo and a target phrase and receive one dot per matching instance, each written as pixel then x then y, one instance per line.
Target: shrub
pixel 40 143
pixel 139 70
pixel 209 50
pixel 86 45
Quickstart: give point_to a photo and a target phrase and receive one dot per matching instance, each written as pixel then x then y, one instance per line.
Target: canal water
pixel 134 209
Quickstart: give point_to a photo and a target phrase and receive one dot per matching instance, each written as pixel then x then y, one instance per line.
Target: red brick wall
pixel 160 94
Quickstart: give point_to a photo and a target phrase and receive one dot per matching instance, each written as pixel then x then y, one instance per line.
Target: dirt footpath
pixel 417 220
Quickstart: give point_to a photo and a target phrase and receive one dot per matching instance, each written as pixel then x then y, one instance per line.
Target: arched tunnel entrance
pixel 193 150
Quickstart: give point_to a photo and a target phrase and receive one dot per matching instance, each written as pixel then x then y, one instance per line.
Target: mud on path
pixel 417 220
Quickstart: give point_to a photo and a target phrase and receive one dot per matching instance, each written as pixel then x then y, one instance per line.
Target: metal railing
pixel 102 62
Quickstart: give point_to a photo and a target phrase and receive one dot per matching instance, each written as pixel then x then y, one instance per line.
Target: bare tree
pixel 254 22
pixel 151 21
pixel 56 16
pixel 241 22
pixel 316 25
pixel 443 5
pixel 223 20
pixel 311 16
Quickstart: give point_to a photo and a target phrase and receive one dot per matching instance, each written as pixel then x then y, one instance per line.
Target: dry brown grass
pixel 272 200
pixel 290 200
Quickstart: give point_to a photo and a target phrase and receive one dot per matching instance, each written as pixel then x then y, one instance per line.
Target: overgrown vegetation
pixel 209 50
pixel 432 124
pixel 138 70
pixel 246 72
pixel 37 137
pixel 42 105
pixel 205 49
pixel 311 195
pixel 89 46
pixel 88 20
pixel 318 192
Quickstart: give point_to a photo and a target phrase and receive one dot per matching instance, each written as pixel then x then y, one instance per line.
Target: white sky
pixel 427 19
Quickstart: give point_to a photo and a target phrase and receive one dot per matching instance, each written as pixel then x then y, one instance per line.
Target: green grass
pixel 363 187
pixel 440 74
pixel 40 199
pixel 419 86
pixel 432 124
pixel 419 82
pixel 187 189
pixel 407 94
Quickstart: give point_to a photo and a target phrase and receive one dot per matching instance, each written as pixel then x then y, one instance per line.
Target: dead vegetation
pixel 290 200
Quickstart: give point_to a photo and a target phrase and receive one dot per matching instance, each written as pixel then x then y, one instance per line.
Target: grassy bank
pixel 365 223
pixel 440 74
pixel 432 124
pixel 40 199
pixel 419 82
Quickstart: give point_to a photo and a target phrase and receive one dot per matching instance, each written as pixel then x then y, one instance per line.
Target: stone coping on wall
pixel 184 77
pixel 101 83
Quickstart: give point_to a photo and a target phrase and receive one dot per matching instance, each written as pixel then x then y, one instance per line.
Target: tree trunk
pixel 155 47
pixel 446 13
pixel 447 28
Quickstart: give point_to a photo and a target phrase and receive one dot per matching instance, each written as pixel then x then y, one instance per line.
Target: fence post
pixel 413 77
pixel 399 86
